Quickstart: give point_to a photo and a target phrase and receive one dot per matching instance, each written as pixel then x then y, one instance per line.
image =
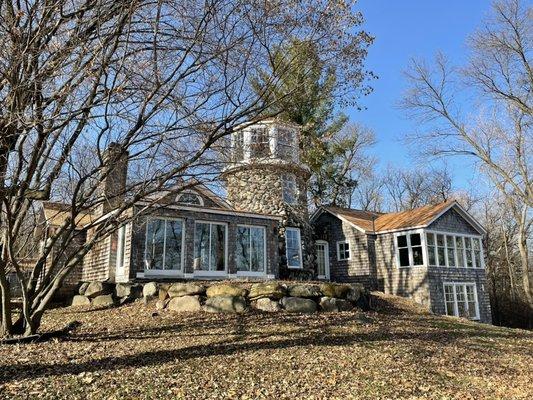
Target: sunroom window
pixel 286 144
pixel 250 250
pixel 164 243
pixel 210 246
pixel 454 251
pixel 259 142
pixel 410 251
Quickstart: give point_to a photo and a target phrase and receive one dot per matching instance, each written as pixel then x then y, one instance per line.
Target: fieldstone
pixel 128 290
pixel 161 304
pixel 334 290
pixel 150 289
pixel 225 290
pixel 267 289
pixel 185 304
pixel 163 293
pixel 185 289
pixel 307 291
pixel 266 304
pixel 331 304
pixel 96 289
pixel 227 304
pixel 298 305
pixel 105 300
pixel 83 288
pixel 80 300
pixel 355 292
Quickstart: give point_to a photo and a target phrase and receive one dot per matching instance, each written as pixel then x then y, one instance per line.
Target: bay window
pixel 164 245
pixel 293 244
pixel 210 246
pixel 250 249
pixel 461 300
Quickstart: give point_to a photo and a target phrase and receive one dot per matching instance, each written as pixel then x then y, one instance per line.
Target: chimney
pixel 115 171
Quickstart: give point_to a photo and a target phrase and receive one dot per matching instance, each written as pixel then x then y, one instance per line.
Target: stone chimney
pixel 113 186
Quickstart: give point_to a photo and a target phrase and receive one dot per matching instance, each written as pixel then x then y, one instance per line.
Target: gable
pixel 453 221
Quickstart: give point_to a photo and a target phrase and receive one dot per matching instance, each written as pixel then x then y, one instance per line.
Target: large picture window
pixel 250 249
pixel 461 300
pixel 164 245
pixel 454 251
pixel 294 248
pixel 409 248
pixel 210 247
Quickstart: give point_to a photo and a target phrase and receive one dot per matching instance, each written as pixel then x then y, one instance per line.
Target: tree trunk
pixel 524 257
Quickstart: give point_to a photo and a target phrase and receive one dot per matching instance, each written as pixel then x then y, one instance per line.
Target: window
pixel 468 251
pixel 121 246
pixel 190 198
pixel 250 251
pixel 410 251
pixel 238 146
pixel 164 244
pixel 454 251
pixel 441 251
pixel 477 253
pixel 210 247
pixel 286 144
pixel 294 248
pixel 322 259
pixel 432 250
pixel 288 182
pixel 450 245
pixel 461 300
pixel 460 251
pixel 259 142
pixel 343 251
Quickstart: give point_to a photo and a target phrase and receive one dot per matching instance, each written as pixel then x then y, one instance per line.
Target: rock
pixel 228 304
pixel 266 304
pixel 96 289
pixel 298 305
pixel 224 290
pixel 105 300
pixel 307 291
pixel 331 304
pixel 355 292
pixel 163 293
pixel 80 300
pixel 185 304
pixel 161 304
pixel 334 290
pixel 267 289
pixel 185 289
pixel 150 289
pixel 83 288
pixel 128 290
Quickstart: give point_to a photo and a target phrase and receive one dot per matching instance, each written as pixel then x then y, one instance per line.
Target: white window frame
pixel 455 308
pixel 198 272
pixel 409 247
pixel 201 200
pixel 457 255
pixel 121 248
pixel 254 273
pixel 326 260
pixel 292 182
pixel 289 229
pixel 165 272
pixel 339 250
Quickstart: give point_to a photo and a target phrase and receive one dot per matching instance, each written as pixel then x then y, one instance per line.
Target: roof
pixel 55 214
pixel 191 185
pixel 373 222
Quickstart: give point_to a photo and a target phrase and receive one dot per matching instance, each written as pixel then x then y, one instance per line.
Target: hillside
pixel 398 351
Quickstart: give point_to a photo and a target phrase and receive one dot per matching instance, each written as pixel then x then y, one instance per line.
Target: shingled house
pixel 262 230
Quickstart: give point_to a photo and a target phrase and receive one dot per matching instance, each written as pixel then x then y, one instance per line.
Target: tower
pixel 265 175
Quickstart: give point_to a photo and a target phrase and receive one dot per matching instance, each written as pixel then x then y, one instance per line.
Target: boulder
pixel 105 300
pixel 355 292
pixel 83 288
pixel 332 304
pixel 128 290
pixel 163 293
pixel 267 289
pixel 150 289
pixel 334 290
pixel 161 304
pixel 185 304
pixel 80 300
pixel 185 289
pixel 96 289
pixel 307 291
pixel 225 290
pixel 266 304
pixel 226 304
pixel 298 305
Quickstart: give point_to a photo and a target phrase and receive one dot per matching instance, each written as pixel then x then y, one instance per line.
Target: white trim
pixel 254 273
pixel 169 272
pixel 339 242
pixel 321 210
pixel 201 272
pixel 121 247
pixel 462 236
pixel 299 247
pixel 326 259
pixel 455 308
pixel 409 247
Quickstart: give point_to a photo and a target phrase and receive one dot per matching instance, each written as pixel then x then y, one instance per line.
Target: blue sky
pixel 405 29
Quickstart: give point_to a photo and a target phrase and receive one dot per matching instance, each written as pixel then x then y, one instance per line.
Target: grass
pixel 397 352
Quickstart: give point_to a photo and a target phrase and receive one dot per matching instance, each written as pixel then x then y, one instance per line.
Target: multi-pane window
pixel 164 244
pixel 293 244
pixel 461 300
pixel 343 251
pixel 259 142
pixel 450 245
pixel 441 251
pixel 210 246
pixel 460 251
pixel 250 250
pixel 410 252
pixel 288 184
pixel 454 251
pixel 468 252
pixel 432 250
pixel 286 146
pixel 238 146
pixel 190 198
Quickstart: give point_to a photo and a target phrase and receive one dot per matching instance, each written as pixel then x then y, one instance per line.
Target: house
pixel 263 230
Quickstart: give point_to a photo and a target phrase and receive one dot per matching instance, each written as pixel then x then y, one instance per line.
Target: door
pixel 322 257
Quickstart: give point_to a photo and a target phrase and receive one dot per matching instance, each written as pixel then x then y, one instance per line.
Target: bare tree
pixel 157 83
pixel 498 81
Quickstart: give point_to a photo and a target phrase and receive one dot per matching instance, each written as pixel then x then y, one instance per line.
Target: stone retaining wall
pixel 215 297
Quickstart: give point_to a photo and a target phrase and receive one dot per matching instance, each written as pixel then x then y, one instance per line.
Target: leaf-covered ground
pixel 399 352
